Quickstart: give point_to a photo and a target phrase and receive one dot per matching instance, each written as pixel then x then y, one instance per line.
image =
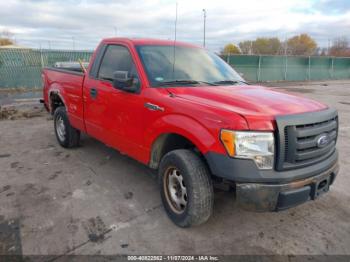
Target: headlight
pixel 259 146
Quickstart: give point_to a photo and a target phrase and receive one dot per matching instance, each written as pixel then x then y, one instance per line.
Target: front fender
pixel 185 126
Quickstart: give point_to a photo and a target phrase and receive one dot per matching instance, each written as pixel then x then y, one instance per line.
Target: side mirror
pixel 122 81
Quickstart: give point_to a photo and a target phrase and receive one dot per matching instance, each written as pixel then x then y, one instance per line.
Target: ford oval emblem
pixel 323 140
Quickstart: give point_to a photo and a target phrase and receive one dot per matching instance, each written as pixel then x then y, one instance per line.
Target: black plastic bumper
pixel 269 190
pixel 275 197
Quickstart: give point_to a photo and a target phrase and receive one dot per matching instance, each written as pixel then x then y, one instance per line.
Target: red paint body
pixel 120 119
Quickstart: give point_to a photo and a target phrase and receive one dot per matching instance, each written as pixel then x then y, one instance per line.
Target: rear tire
pixel 186 188
pixel 67 136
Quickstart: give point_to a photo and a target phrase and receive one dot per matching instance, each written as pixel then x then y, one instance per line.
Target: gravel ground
pixel 93 200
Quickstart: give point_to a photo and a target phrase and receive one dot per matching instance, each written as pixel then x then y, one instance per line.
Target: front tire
pixel 67 136
pixel 186 188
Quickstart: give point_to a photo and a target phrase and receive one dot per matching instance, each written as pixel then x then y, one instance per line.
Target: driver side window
pixel 117 59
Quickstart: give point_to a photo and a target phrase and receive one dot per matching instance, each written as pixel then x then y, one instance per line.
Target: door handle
pixel 154 107
pixel 93 92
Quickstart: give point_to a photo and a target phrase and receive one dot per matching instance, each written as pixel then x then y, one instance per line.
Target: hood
pixel 249 100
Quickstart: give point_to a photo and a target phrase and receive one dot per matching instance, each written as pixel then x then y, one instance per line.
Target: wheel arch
pixel 168 142
pixel 177 132
pixel 55 100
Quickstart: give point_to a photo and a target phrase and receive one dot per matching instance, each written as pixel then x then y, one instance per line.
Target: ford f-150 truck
pixel 183 111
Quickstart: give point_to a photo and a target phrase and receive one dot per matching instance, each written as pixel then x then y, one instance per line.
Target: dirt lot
pixel 93 200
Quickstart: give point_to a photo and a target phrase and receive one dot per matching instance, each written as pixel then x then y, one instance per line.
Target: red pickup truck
pixel 183 111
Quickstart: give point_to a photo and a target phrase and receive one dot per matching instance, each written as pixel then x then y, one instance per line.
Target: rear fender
pixel 55 89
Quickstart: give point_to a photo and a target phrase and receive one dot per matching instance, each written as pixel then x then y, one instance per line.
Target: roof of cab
pixel 147 41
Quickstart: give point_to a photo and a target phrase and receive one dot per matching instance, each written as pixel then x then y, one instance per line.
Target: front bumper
pixel 270 190
pixel 270 197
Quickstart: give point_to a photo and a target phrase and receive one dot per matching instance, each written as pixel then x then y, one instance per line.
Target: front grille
pixel 300 139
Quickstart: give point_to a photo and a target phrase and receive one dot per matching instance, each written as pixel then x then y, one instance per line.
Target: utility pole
pixel 115 30
pixel 204 18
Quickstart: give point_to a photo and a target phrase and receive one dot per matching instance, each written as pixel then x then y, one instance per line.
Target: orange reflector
pixel 228 139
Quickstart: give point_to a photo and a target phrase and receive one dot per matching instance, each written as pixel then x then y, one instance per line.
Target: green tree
pixel 230 49
pixel 266 46
pixel 301 45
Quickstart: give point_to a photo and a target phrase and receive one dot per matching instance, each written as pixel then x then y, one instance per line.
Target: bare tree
pixel 340 47
pixel 246 47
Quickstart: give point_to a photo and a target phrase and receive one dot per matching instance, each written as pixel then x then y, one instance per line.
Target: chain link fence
pixel 290 68
pixel 21 68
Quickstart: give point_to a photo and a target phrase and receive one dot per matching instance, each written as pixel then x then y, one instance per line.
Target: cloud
pixel 331 6
pixel 60 23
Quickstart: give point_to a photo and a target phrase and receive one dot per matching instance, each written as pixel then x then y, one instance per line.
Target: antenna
pixel 204 20
pixel 174 49
pixel 175 22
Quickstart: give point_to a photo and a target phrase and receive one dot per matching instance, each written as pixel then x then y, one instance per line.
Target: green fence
pixel 290 68
pixel 20 68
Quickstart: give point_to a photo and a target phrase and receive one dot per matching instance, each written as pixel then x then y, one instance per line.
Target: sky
pixel 81 24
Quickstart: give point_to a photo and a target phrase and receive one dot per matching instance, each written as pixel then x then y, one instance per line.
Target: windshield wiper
pixel 229 82
pixel 186 82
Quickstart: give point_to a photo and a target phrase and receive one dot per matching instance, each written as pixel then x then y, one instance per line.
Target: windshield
pixel 179 66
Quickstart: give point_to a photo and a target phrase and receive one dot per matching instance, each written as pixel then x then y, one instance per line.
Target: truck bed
pixel 71 66
pixel 68 85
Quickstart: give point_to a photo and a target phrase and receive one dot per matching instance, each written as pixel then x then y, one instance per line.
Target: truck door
pixel 112 115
